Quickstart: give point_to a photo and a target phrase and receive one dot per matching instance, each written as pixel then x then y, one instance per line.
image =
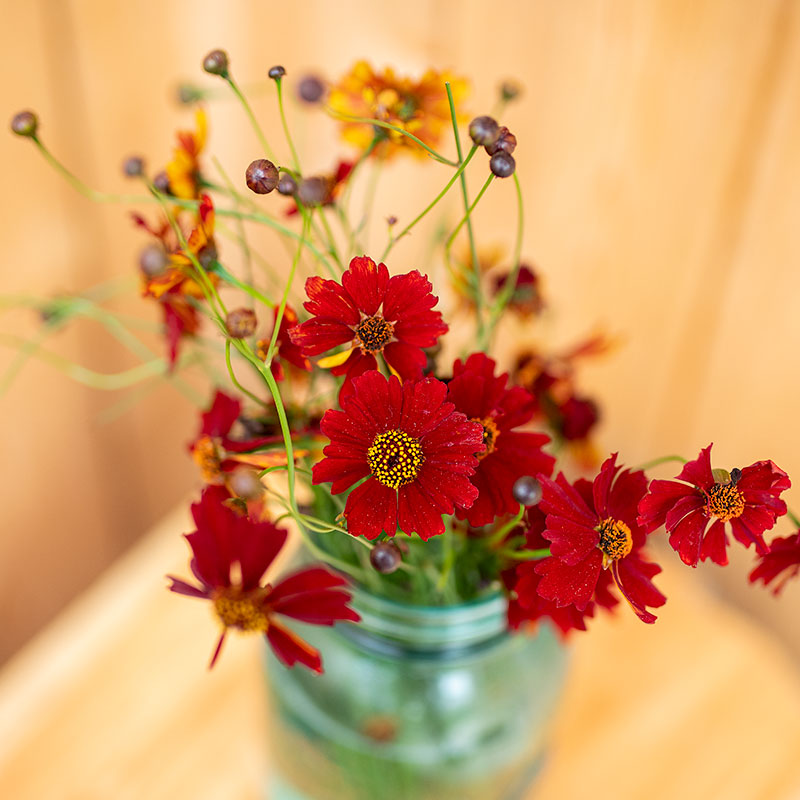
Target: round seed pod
pixel 276 72
pixel 152 260
pixel 312 191
pixel 216 63
pixel 245 483
pixel 527 490
pixel 133 167
pixel 385 557
pixel 261 176
pixel 502 164
pixel 483 130
pixel 287 184
pixel 506 141
pixel 161 183
pixel 310 89
pixel 25 124
pixel 241 323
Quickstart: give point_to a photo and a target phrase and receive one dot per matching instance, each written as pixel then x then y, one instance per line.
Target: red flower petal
pixel 687 536
pixel 317 335
pixel 406 295
pixel 219 419
pixel 371 508
pixel 366 283
pixel 565 584
pixel 406 360
pixel 698 472
pixel 329 299
pixel 291 649
pixel 782 560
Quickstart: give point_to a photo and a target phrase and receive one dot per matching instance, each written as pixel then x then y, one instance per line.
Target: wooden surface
pixel 659 153
pixel 113 702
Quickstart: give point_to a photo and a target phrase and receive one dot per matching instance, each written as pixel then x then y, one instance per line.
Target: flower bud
pixel 506 141
pixel 385 557
pixel 311 89
pixel 133 167
pixel 161 183
pixel 312 191
pixel 261 176
pixel 483 130
pixel 245 483
pixel 152 260
pixel 25 124
pixel 502 164
pixel 527 490
pixel 188 94
pixel 287 184
pixel 241 323
pixel 276 72
pixel 509 91
pixel 216 63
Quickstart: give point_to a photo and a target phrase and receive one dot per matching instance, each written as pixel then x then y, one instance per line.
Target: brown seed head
pixel 261 176
pixel 241 323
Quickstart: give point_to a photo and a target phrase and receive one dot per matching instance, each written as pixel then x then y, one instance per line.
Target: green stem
pixel 233 378
pixel 470 233
pixel 295 159
pixel 656 461
pixel 388 125
pixel 456 175
pixel 500 534
pixel 252 117
pixel 525 555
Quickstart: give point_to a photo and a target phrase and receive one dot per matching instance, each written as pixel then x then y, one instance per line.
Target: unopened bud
pixel 245 483
pixel 509 91
pixel 152 260
pixel 506 141
pixel 216 63
pixel 287 184
pixel 25 124
pixel 483 130
pixel 261 176
pixel 133 167
pixel 311 89
pixel 385 557
pixel 312 191
pixel 241 323
pixel 527 490
pixel 502 164
pixel 161 183
pixel 276 72
pixel 188 94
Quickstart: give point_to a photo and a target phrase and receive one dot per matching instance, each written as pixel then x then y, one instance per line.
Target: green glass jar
pixel 416 702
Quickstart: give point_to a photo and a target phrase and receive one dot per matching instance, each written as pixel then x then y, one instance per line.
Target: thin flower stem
pixel 252 117
pixel 359 161
pixel 388 125
pixel 500 534
pixel 232 376
pixel 435 200
pixel 331 240
pixel 466 216
pixel 656 461
pixel 507 291
pixel 795 520
pixel 470 233
pixel 218 269
pixel 295 159
pixel 525 555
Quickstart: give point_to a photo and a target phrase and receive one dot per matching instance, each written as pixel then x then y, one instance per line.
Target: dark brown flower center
pixel 724 501
pixel 395 458
pixel 615 540
pixel 374 333
pixel 490 435
pixel 206 455
pixel 241 610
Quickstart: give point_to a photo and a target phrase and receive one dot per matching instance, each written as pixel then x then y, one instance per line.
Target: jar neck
pixel 390 627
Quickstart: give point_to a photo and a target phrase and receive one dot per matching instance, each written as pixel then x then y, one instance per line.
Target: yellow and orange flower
pixel 183 170
pixel 417 106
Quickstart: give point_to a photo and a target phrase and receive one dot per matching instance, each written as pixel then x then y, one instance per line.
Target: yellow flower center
pixel 615 540
pixel 242 611
pixel 724 501
pixel 374 333
pixel 207 456
pixel 490 434
pixel 395 458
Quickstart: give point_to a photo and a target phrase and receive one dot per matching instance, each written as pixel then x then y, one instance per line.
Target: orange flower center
pixel 206 455
pixel 724 501
pixel 490 435
pixel 374 333
pixel 395 458
pixel 237 609
pixel 615 540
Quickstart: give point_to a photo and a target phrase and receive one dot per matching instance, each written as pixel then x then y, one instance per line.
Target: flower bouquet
pixel 415 642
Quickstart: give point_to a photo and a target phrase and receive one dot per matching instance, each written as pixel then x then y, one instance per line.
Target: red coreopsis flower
pixel 783 560
pixel 415 450
pixel 373 315
pixel 217 453
pixel 231 553
pixel 176 287
pixel 697 505
pixel 526 606
pixel 508 453
pixel 590 534
pixel 287 350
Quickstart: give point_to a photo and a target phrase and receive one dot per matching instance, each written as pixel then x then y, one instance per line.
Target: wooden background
pixel 660 159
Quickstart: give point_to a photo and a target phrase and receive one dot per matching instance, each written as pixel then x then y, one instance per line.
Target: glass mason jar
pixel 416 702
